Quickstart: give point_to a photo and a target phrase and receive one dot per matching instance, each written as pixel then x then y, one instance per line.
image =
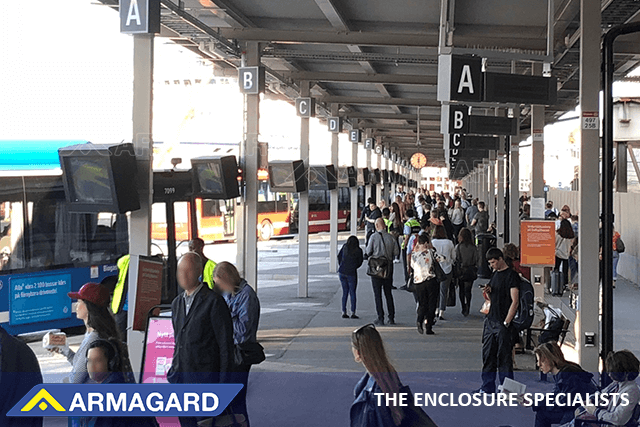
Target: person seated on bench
pixel 569 378
pixel 622 367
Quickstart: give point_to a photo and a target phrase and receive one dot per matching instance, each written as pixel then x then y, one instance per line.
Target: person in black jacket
pixel 350 259
pixel 19 373
pixel 204 351
pixel 569 378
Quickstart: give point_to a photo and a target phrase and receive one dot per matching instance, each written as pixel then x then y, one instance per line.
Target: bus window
pixel 11 229
pixel 318 200
pixel 210 208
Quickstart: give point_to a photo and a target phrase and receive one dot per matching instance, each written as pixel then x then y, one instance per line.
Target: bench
pixel 563 333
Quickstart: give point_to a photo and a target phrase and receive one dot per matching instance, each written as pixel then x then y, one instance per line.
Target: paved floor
pixel 309 373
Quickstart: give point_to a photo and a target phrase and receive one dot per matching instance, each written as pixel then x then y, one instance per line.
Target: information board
pixel 148 275
pixel 538 243
pixel 39 298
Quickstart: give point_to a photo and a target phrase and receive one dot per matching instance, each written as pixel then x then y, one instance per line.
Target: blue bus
pixel 45 250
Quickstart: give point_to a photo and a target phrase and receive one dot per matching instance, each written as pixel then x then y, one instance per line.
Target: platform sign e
pixel 355 135
pixel 139 16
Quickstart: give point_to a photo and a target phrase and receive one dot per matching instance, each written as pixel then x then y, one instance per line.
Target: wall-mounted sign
pixel 521 89
pixel 538 240
pixel 456 119
pixel 355 135
pixel 459 78
pixel 386 152
pixel 334 124
pixel 378 149
pixel 369 143
pixel 139 16
pixel 251 80
pixel 474 142
pixel 306 107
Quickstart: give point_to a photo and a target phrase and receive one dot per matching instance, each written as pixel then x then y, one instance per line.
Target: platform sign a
pixel 251 80
pixel 305 107
pixel 460 78
pixel 334 124
pixel 139 16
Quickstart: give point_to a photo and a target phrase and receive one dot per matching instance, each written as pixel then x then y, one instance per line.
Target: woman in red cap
pixel 93 300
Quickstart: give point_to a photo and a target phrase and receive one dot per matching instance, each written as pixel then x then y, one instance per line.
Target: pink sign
pixel 157 358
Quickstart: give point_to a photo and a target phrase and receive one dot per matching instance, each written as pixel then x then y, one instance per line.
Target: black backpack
pixel 524 315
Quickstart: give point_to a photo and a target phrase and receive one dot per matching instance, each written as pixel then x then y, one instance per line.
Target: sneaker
pixel 353 316
pixel 345 316
pixel 441 317
pixel 378 322
pixel 430 332
pixel 392 322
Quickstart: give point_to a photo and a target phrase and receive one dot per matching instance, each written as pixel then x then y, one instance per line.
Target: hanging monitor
pixel 215 177
pixel 100 178
pixel 287 176
pixel 347 176
pixel 363 176
pixel 322 178
pixel 375 177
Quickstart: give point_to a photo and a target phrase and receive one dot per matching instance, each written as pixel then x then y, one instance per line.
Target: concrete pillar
pixel 492 186
pixel 388 191
pixel 247 236
pixel 500 196
pixel 368 188
pixel 587 317
pixel 621 167
pixel 354 192
pixel 333 214
pixel 379 186
pixel 140 220
pixel 514 189
pixel 537 147
pixel 303 206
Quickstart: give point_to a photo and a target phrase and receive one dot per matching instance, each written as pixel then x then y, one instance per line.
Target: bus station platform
pixel 310 366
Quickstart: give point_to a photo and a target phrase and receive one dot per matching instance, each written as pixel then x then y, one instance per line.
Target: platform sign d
pixel 139 16
pixel 334 124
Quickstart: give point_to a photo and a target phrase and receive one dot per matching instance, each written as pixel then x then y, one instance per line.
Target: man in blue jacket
pixel 19 373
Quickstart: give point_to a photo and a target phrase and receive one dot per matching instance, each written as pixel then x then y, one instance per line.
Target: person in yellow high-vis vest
pixel 197 245
pixel 119 301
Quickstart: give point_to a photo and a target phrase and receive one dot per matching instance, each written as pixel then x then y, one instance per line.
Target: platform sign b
pixel 251 80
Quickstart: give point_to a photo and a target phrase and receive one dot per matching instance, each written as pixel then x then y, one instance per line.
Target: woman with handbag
pixel 466 268
pixel 425 285
pixel 445 250
pixel 381 377
pixel 245 314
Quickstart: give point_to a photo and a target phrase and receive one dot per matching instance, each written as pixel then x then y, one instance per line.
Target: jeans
pixel 403 255
pixel 427 296
pixel 465 295
pixel 380 285
pixel 239 403
pixel 497 345
pixel 444 291
pixel 616 258
pixel 349 284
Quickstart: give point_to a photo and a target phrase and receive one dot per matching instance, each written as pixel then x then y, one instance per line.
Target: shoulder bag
pixel 379 266
pixel 441 276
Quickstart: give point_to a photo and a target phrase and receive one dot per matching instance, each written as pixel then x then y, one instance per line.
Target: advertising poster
pixel 40 298
pixel 158 354
pixel 148 288
pixel 538 243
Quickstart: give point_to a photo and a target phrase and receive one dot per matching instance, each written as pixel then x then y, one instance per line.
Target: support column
pixel 621 167
pixel 333 219
pixel 379 186
pixel 483 183
pixel 367 188
pixel 588 275
pixel 492 186
pixel 354 192
pixel 247 233
pixel 303 205
pixel 500 197
pixel 140 220
pixel 514 189
pixel 388 186
pixel 537 147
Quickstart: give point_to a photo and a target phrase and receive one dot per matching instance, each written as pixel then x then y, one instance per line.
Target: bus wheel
pixel 266 230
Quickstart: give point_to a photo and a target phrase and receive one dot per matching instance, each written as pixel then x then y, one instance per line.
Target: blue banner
pixel 39 298
pixel 126 400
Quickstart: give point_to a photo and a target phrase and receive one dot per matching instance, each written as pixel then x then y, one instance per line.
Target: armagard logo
pixel 131 400
pixel 42 399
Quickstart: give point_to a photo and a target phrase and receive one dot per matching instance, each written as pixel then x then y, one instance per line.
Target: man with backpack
pixel 499 333
pixel 412 226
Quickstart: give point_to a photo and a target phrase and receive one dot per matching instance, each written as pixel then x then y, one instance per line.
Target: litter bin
pixel 486 241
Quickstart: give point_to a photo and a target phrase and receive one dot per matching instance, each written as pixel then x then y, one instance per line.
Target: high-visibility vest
pixel 414 224
pixel 123 269
pixel 207 273
pixel 388 223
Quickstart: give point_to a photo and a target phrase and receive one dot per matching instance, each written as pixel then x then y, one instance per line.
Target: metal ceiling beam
pixel 363 78
pixel 365 38
pixel 379 101
pixel 424 119
pixel 423 127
